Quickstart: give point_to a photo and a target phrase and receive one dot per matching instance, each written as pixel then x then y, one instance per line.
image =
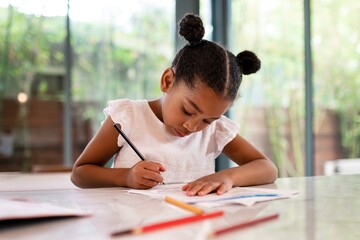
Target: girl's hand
pixel 217 182
pixel 144 175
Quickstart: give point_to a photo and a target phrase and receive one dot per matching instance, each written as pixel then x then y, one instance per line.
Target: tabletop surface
pixel 327 207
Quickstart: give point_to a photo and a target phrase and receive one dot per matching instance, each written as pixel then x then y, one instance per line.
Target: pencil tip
pixel 119 233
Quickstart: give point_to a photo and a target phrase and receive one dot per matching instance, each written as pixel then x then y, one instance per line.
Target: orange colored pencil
pixel 168 224
pixel 184 205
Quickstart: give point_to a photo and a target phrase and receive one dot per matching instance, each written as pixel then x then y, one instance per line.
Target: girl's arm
pixel 89 170
pixel 254 169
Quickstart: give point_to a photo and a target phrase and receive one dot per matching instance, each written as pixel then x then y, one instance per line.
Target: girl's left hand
pixel 212 183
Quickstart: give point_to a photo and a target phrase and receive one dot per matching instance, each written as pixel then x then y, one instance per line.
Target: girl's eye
pixel 186 112
pixel 207 122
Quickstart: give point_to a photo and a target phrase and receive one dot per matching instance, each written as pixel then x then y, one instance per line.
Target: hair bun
pixel 248 62
pixel 192 29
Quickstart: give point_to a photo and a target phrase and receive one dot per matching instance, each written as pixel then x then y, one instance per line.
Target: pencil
pixel 168 224
pixel 243 225
pixel 118 128
pixel 183 205
pixel 237 197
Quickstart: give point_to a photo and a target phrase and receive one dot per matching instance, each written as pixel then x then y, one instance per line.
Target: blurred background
pixel 62 60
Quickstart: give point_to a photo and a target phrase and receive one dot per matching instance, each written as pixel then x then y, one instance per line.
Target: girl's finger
pixel 151 176
pixel 148 183
pixel 222 189
pixel 156 167
pixel 207 188
pixel 194 189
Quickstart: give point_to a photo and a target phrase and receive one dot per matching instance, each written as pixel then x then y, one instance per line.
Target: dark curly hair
pixel 209 62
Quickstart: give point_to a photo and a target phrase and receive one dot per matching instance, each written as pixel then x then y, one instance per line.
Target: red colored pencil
pixel 243 225
pixel 168 224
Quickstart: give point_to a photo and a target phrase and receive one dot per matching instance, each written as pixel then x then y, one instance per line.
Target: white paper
pixel 13 209
pixel 248 195
pixel 15 181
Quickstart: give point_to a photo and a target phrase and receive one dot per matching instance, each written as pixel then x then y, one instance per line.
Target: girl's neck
pixel 155 106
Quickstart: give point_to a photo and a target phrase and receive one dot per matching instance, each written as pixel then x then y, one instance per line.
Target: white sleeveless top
pixel 185 158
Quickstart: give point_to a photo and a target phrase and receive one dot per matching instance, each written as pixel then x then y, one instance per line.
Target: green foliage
pixel 112 61
pixel 274 30
pixel 336 66
pixel 32 43
pixel 109 61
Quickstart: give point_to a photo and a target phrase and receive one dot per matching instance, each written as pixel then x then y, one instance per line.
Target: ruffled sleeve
pixel 121 111
pixel 226 131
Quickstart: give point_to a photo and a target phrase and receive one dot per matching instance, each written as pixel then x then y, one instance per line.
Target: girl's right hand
pixel 145 174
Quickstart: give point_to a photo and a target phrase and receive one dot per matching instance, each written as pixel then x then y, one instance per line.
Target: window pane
pixel 32 73
pixel 119 50
pixel 270 109
pixel 336 51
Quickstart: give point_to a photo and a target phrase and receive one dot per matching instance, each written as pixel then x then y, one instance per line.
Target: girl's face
pixel 185 111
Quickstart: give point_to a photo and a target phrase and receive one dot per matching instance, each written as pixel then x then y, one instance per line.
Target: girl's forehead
pixel 205 101
pixel 201 90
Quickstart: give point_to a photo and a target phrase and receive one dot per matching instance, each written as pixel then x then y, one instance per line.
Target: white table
pixel 326 208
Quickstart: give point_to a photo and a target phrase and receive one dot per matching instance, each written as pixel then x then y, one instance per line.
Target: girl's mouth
pixel 180 134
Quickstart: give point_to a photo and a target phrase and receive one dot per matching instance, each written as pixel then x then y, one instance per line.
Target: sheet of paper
pixel 32 182
pixel 247 196
pixel 13 210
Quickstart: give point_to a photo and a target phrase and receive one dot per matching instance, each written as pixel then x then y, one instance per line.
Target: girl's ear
pixel 167 80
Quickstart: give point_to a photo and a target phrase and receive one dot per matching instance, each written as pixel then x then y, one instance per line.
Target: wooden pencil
pixel 184 205
pixel 243 225
pixel 168 224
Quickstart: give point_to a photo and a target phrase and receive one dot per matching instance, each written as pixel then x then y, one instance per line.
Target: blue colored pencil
pixel 241 196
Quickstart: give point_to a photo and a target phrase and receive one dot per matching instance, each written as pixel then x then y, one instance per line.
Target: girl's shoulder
pixel 125 103
pixel 123 111
pixel 225 124
pixel 225 130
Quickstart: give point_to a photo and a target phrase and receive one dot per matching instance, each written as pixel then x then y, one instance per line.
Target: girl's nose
pixel 191 125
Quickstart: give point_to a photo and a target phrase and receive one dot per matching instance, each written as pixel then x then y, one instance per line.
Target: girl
pixel 182 132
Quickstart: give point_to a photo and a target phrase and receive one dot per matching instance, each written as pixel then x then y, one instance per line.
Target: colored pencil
pixel 168 224
pixel 243 225
pixel 236 197
pixel 118 128
pixel 183 205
